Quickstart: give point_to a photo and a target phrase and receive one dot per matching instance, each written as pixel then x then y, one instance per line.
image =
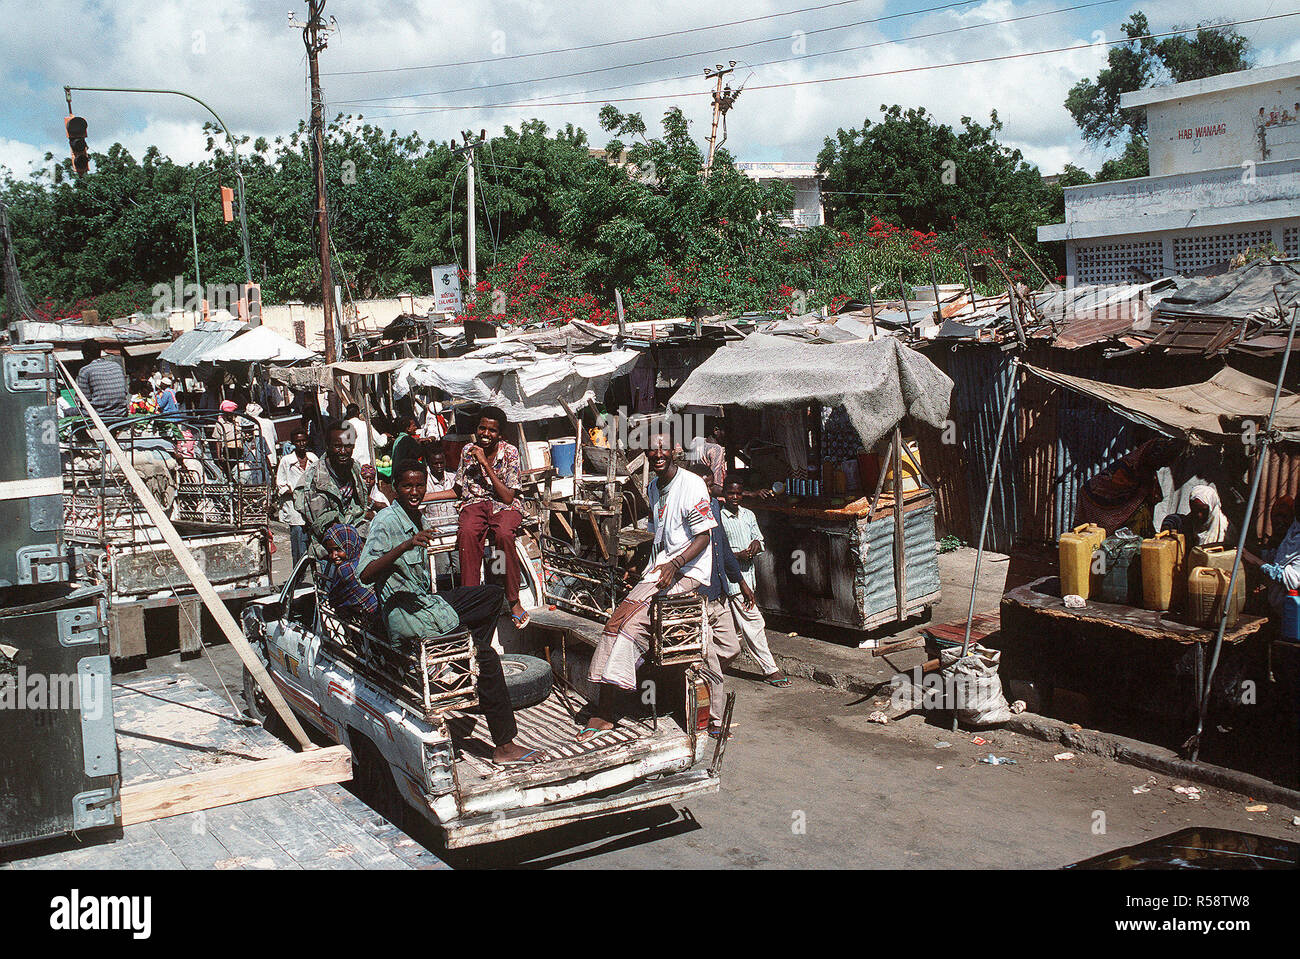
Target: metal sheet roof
pixel 206 336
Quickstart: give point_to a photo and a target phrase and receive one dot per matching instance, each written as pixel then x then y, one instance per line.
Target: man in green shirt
pixel 393 561
pixel 333 491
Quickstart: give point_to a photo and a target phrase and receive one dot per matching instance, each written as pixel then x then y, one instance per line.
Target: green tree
pixel 1142 62
pixel 913 171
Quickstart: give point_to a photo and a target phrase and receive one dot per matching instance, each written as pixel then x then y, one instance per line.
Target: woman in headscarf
pixel 1124 495
pixel 1209 524
pixel 346 592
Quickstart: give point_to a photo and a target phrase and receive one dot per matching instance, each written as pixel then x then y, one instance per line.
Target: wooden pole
pixel 900 552
pixel 934 285
pixel 871 301
pixel 902 289
pixel 190 567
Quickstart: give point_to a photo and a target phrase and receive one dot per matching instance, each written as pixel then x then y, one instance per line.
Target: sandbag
pixel 974 684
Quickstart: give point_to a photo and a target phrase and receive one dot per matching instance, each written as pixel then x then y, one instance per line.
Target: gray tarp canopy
pixel 1214 411
pixel 877 383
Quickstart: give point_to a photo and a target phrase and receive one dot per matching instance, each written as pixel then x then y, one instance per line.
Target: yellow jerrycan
pixel 1076 549
pixel 1162 570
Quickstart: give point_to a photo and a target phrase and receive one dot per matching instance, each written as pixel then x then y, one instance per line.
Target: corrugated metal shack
pixel 1168 332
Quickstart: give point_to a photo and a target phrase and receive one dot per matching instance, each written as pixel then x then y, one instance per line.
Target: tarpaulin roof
pixel 1245 291
pixel 192 344
pixel 259 345
pixel 525 389
pixel 1216 410
pixel 877 383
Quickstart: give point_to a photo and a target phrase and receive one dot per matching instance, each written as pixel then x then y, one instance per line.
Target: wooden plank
pixel 126 631
pixel 189 617
pixel 221 787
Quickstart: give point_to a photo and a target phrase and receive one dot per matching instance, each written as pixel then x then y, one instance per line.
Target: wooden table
pixel 1121 657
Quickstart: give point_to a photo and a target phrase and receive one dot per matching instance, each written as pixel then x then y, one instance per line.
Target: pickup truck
pixel 409 719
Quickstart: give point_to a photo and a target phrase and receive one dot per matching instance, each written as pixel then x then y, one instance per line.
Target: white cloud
pixel 244 60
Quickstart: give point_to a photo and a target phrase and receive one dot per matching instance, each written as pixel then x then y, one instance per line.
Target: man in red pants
pixel 487 482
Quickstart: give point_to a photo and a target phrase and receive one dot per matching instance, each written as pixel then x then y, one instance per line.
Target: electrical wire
pixel 761 63
pixel 676 56
pixel 594 46
pixel 524 104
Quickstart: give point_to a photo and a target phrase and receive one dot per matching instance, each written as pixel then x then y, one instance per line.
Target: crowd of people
pixel 362 503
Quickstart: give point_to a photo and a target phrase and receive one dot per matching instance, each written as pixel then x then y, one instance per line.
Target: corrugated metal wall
pixel 981 376
pixel 1057 438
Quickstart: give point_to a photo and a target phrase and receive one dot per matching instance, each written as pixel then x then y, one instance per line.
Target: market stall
pixel 1178 636
pixel 850 538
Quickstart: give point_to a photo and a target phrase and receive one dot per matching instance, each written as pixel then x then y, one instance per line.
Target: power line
pixel 765 63
pixel 596 46
pixel 856 76
pixel 676 56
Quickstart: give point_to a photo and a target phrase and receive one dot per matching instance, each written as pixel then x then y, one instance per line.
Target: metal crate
pixel 432 676
pixel 222 504
pixel 583 586
pixel 676 630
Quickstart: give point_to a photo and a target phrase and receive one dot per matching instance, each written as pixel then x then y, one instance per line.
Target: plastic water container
pixel 1162 570
pixel 1291 616
pixel 1207 587
pixel 1215 557
pixel 1076 549
pixel 564 452
pixel 1121 583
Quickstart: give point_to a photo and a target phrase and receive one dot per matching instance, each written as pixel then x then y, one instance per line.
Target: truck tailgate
pixel 568 769
pixel 491 827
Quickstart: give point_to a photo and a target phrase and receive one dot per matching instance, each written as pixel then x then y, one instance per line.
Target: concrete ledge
pixel 1147 756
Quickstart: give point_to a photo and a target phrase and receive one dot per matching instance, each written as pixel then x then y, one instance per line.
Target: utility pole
pixel 471 208
pixel 722 101
pixel 315 37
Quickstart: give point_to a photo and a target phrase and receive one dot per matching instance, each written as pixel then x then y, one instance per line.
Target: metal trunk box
pixel 58 745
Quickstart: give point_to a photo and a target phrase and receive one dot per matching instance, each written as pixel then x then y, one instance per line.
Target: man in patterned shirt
pixel 487 482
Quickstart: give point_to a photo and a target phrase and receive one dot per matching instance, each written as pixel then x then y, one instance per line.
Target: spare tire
pixel 528 679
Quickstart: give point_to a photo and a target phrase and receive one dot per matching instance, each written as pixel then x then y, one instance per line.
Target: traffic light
pixel 76 128
pixel 227 204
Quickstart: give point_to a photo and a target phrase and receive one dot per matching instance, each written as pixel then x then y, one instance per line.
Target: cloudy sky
pixel 436 66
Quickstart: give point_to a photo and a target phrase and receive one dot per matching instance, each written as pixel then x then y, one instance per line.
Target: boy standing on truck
pixel 393 561
pixel 681 561
pixel 333 491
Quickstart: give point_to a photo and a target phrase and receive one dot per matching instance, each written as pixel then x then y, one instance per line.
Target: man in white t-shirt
pixel 680 520
pixel 361 451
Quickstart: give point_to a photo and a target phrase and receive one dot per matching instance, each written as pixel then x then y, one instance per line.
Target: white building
pixel 1225 176
pixel 802 178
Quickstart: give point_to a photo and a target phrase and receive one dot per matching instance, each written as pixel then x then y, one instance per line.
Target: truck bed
pixel 549 726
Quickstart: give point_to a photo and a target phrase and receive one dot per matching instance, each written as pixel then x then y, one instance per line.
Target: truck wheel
pixel 374 783
pixel 528 679
pixel 258 709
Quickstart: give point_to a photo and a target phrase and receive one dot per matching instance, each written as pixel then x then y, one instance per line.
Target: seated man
pixel 680 562
pixel 393 561
pixel 487 482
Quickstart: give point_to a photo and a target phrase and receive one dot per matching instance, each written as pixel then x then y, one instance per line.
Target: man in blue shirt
pixel 724 642
pixel 393 562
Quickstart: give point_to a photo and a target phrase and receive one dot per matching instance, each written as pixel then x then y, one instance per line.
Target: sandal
pixel 715 732
pixel 591 732
pixel 520 621
pixel 781 683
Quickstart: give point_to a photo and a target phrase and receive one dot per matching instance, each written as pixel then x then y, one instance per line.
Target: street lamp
pixel 243 221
